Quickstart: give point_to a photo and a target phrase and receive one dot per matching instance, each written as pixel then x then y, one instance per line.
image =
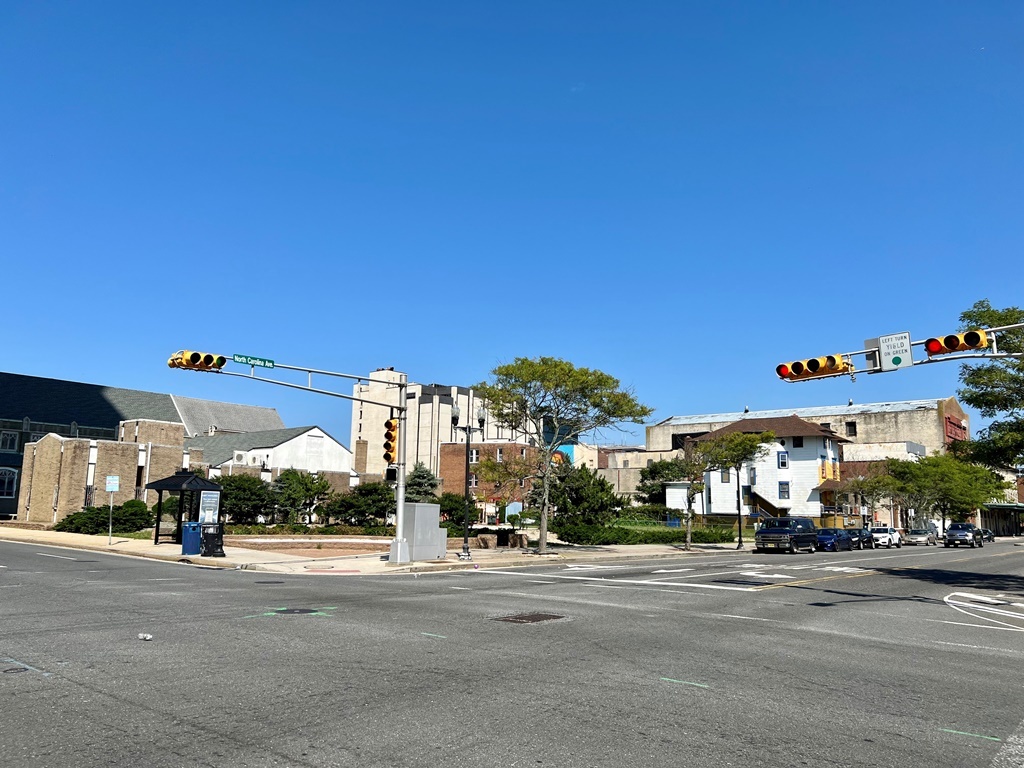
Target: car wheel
pixel 888 544
pixel 860 545
pixel 899 544
pixel 812 549
pixel 945 544
pixel 792 548
pixel 981 543
pixel 972 545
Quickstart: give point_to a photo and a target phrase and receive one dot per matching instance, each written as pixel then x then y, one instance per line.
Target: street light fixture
pixel 481 416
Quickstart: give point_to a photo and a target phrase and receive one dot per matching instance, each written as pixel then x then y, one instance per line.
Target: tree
pixel 651 487
pixel 732 450
pixel 421 485
pixel 244 498
pixel 582 497
pixel 365 504
pixel 943 483
pixel 299 493
pixel 875 484
pixel 996 388
pixel 509 476
pixel 559 402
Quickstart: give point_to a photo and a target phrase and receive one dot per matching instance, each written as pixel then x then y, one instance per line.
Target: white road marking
pixel 758 574
pixel 3 566
pixel 59 557
pixel 748 618
pixel 460 587
pixel 976 647
pixel 534 581
pixel 638 581
pixel 592 567
pixel 163 579
pixel 982 604
pixel 672 570
pixel 1012 753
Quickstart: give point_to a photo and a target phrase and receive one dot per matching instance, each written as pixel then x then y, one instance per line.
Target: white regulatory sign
pixel 894 351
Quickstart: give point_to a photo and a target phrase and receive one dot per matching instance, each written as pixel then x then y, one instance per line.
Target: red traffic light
pixel 782 370
pixel 813 368
pixel 956 342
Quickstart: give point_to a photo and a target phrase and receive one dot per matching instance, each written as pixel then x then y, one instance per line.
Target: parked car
pixel 862 538
pixel 963 533
pixel 886 537
pixel 834 539
pixel 921 536
pixel 789 534
pixel 987 535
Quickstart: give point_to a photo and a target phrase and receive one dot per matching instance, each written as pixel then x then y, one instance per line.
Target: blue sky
pixel 681 194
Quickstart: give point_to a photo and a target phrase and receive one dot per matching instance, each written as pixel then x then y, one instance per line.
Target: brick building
pixel 488 497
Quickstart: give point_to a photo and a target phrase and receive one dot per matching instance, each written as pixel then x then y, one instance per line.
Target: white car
pixel 886 537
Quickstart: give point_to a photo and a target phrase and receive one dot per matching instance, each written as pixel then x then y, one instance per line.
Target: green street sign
pixel 257 362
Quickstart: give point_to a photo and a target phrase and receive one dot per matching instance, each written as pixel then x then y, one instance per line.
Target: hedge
pixel 129 517
pixel 613 534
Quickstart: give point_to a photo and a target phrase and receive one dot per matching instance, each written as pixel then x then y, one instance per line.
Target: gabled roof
pixel 783 426
pixel 183 480
pixel 220 449
pixel 199 415
pixel 55 401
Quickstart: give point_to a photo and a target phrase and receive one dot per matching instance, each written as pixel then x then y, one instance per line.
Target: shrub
pixel 130 517
pixel 613 534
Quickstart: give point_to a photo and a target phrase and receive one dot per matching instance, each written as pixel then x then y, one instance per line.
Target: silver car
pixel 921 536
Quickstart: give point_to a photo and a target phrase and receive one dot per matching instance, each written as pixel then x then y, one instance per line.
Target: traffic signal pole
pixel 399 546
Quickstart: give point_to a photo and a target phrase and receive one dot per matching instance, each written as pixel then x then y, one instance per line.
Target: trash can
pixel 190 538
pixel 212 541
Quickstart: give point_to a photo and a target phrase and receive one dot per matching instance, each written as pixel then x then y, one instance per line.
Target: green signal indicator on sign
pixel 897 360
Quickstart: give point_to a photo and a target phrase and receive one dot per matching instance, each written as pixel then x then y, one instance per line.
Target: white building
pixel 791 478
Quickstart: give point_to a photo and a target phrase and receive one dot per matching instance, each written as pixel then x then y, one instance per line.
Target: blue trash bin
pixel 190 538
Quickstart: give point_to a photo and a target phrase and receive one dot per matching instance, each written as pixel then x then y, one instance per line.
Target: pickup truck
pixel 963 533
pixel 787 534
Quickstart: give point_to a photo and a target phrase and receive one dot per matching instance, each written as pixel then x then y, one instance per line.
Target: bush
pixel 130 517
pixel 650 512
pixel 613 534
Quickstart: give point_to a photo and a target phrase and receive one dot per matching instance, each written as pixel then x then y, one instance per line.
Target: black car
pixel 987 535
pixel 862 538
pixel 834 539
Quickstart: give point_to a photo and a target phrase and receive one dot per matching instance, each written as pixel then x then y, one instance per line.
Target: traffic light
pixel 196 361
pixel 814 368
pixel 956 342
pixel 391 441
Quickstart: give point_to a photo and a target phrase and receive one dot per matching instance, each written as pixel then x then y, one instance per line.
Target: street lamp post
pixel 468 430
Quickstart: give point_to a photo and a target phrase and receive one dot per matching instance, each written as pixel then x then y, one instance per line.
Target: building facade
pixel 428 424
pixel 931 423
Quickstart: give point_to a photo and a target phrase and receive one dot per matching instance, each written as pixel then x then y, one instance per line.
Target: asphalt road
pixel 903 658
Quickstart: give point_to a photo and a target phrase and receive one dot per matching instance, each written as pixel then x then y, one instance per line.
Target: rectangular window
pixel 826 424
pixel 783 491
pixel 8 441
pixel 828 443
pixel 752 475
pixel 474 455
pixel 725 476
pixel 472 481
pixel 798 442
pixel 522 482
pixel 783 458
pixel 851 429
pixel 8 479
pixel 499 455
pixel 522 452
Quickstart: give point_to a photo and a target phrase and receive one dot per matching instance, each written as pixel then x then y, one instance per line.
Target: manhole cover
pixel 292 611
pixel 530 618
pixel 14 670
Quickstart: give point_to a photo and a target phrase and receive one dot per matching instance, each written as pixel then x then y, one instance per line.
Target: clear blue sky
pixel 682 194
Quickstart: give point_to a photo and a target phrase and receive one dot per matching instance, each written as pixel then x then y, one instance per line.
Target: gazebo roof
pixel 183 481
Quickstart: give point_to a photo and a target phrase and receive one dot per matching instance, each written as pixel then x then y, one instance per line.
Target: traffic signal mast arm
pixel 198 361
pixel 938 348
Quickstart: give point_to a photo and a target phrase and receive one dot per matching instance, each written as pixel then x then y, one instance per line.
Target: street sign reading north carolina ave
pixel 894 351
pixel 258 362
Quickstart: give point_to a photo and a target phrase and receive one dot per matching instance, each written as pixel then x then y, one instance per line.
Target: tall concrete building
pixel 429 423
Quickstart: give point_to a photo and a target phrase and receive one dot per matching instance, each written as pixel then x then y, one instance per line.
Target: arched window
pixel 8 483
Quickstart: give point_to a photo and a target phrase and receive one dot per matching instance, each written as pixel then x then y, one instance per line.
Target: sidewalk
pixel 374 563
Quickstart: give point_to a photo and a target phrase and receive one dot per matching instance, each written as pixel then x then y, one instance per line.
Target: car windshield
pixel 919 532
pixel 960 527
pixel 827 531
pixel 879 530
pixel 781 523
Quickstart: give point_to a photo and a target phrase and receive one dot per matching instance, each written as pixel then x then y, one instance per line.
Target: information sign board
pixel 894 351
pixel 113 481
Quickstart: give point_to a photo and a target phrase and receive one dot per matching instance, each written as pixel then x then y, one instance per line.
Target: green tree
pixel 580 496
pixel 509 476
pixel 365 504
pixel 870 488
pixel 731 450
pixel 945 485
pixel 996 388
pixel 244 497
pixel 421 485
pixel 651 487
pixel 559 402
pixel 298 494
